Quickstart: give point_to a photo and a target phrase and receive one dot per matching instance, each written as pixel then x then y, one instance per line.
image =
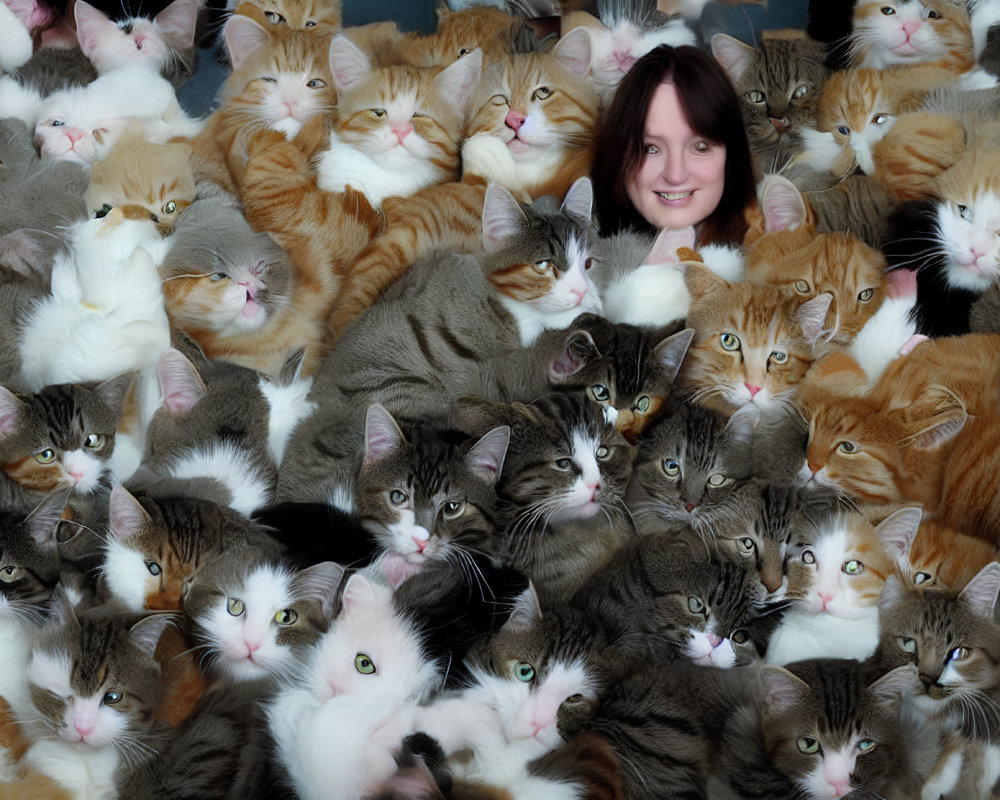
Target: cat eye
pixel 464 52
pixel 112 697
pixel 959 654
pixel 499 100
pixel 847 447
pixel 215 277
pixel 642 404
pixel 235 606
pixel 880 119
pixel 808 557
pixel 154 568
pixel 9 573
pixel 932 14
pixel 672 468
pixel 741 636
pixel 95 441
pixel 453 509
pixel 102 212
pixel 888 10
pixel 800 91
pixel 603 453
pixel 57 123
pixel 729 342
pixel 808 745
pixel 311 23
pixel 268 79
pixel 378 112
pixel 717 480
pixel 853 567
pixel 563 463
pixel 286 616
pixel 921 577
pixel 397 497
pixel 169 207
pixel 755 96
pixel 866 295
pixel 542 266
pixel 746 544
pixel 802 287
pixel 695 605
pixel 964 212
pixel 779 357
pixel 273 17
pixel 600 392
pixel 865 745
pixel 541 93
pixel 364 664
pixel 843 130
pixel 46 456
pixel 523 671
pixel 316 83
pixel 907 644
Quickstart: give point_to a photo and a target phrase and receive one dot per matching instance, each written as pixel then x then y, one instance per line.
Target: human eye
pixel 702 146
pixel 650 149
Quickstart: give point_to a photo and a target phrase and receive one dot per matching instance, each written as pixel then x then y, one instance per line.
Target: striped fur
pixel 942 34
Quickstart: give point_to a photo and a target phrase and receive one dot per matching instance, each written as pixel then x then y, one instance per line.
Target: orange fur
pixel 948 559
pixel 24 783
pixel 915 151
pixel 185 684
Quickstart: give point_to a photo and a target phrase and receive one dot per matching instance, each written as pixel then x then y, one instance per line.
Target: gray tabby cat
pixel 779 85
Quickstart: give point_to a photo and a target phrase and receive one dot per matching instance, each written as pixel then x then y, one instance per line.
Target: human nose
pixel 675 168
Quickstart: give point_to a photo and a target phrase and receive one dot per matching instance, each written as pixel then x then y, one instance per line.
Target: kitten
pixel 779 85
pixel 846 562
pixel 59 439
pixel 398 129
pixel 318 16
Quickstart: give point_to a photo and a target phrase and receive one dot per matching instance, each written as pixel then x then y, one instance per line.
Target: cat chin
pixel 972 277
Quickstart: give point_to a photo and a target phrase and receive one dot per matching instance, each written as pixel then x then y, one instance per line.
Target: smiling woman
pixel 672 150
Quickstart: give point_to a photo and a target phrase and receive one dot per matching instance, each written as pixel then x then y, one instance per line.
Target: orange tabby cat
pixel 531 131
pixel 946 559
pixel 970 494
pixel 319 16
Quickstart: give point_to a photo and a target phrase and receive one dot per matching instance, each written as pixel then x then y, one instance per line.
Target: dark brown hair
pixel 713 111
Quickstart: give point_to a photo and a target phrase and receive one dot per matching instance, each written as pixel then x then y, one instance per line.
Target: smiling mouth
pixel 674 195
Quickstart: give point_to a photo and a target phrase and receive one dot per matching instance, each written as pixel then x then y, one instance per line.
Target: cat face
pixel 968 218
pixel 909 32
pixel 92 677
pixel 857 109
pixel 318 16
pixel 29 561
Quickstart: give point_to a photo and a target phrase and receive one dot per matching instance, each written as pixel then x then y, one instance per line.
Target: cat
pixel 835 607
pixel 752 345
pixel 155 548
pixel 779 85
pixel 620 34
pixel 93 682
pixel 58 440
pixel 252 621
pixel 397 129
pixel 319 16
pixel 942 558
pixel 16 44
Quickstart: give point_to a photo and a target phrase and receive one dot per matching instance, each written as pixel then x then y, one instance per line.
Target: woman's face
pixel 681 176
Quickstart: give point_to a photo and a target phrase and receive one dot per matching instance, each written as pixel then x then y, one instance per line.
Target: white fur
pixel 15 41
pixel 652 294
pixel 971 246
pixel 288 405
pixel 15 650
pixel 88 773
pixel 487 155
pixel 229 464
pixel 983 14
pixel 820 151
pixel 832 774
pixel 804 634
pixel 701 651
pixel 342 497
pixel 883 36
pixel 130 440
pixel 879 341
pixel 125 574
pixel 726 262
pixel 19 101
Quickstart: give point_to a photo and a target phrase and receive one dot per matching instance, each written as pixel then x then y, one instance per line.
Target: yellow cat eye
pixel 46 456
pixel 235 606
pixel 453 509
pixel 541 93
pixel 853 567
pixel 642 404
pixel 169 207
pixel 848 447
pixel 364 664
pixel 286 616
pixel 866 295
pixel 95 441
pixel 729 342
pixel 808 745
pixel 9 573
pixel 755 96
pixel 741 636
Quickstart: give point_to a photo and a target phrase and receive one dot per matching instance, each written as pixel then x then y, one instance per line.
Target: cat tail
pixel 587 761
pixel 445 217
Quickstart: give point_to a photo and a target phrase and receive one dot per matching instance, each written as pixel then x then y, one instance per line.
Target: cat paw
pixel 264 140
pixel 314 135
pixel 356 204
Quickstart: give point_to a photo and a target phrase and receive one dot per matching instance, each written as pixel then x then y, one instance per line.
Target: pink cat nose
pixel 75 475
pixel 779 124
pixel 514 119
pixel 690 506
pixel 402 132
pixel 910 26
pixel 252 647
pixel 291 108
pixel 826 598
pixel 840 787
pixel 83 728
pixel 976 253
pixel 139 39
pixel 420 543
pixel 753 389
pixel 714 640
pixel 74 135
pixel 624 60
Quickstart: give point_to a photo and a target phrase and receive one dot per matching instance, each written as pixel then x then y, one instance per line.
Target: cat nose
pixel 826 598
pixel 714 640
pixel 74 135
pixel 252 647
pixel 514 119
pixel 690 506
pixel 780 124
pixel 753 389
pixel 420 543
pixel 83 728
pixel 910 26
pixel 402 132
pixel 814 468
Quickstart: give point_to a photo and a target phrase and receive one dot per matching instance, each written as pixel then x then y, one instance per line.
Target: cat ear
pixel 45 518
pixel 125 516
pixel 176 23
pixel 382 434
pixel 114 390
pixel 782 690
pixel 243 37
pixel 733 56
pixel 980 594
pixel 700 280
pixel 893 591
pixel 320 582
pixel 359 594
pixel 349 64
pixel 898 683
pixel 457 82
pixel 898 531
pixel 938 414
pixel 671 351
pixel 487 455
pixel 667 243
pixel 180 383
pixel 145 634
pixel 573 51
pixel 502 217
pixel 92 27
pixel 61 609
pixel 579 201
pixel 811 315
pixel 10 410
pixel 578 350
pixel 526 611
pixel 782 203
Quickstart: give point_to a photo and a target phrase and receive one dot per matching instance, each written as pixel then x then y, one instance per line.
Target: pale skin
pixel 682 174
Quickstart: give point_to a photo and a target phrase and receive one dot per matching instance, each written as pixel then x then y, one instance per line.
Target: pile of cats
pixel 341 456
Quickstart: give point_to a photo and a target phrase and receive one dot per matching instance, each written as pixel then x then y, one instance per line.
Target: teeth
pixel 673 195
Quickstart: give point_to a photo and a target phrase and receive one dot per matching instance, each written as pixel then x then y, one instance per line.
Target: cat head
pixel 693 468
pixel 899 32
pixel 221 278
pixel 164 43
pixel 753 343
pixel 29 560
pixel 968 218
pixel 320 17
pixel 254 619
pixel 832 730
pixel 93 679
pixel 277 80
pixel 951 638
pixel 942 558
pixel 429 494
pixel 149 182
pixel 63 436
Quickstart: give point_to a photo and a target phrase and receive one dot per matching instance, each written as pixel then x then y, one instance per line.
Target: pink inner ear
pixel 9 406
pixel 93 28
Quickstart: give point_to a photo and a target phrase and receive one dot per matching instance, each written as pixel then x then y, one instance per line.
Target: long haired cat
pixel 319 16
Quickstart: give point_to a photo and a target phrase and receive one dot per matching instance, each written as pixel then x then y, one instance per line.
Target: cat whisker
pixel 187 275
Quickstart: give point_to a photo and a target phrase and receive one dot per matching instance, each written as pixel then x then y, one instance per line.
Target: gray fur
pixel 52 69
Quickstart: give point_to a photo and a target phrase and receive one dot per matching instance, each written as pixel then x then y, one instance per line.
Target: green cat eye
pixel 866 295
pixel 102 212
pixel 746 545
pixel 853 567
pixel 95 441
pixel 600 392
pixel 46 456
pixel 453 509
pixel 9 573
pixel 696 605
pixel 847 447
pixel 959 654
pixel 235 606
pixel 741 636
pixel 541 93
pixel 603 453
pixel 397 497
pixel 642 404
pixel 729 342
pixel 755 96
pixel 153 567
pixel 921 577
pixel 808 745
pixel 865 745
pixel 112 697
pixel 779 357
pixel 523 671
pixel 671 468
pixel 808 557
pixel 802 287
pixel 169 207
pixel 907 644
pixel 286 616
pixel 964 212
pixel 364 664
